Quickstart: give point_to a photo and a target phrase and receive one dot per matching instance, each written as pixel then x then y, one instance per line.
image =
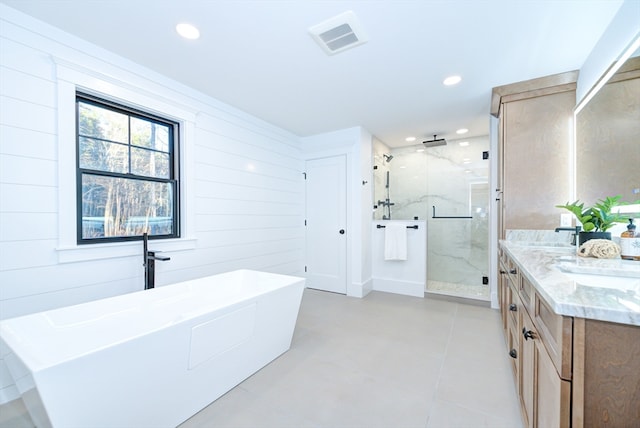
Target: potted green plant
pixel 597 219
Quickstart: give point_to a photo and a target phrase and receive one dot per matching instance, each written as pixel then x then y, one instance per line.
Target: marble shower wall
pixel 453 178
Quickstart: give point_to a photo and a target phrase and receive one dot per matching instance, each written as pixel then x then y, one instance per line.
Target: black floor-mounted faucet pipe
pixel 149 264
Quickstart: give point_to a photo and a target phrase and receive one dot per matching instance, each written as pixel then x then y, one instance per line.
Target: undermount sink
pixel 603 277
pixel 606 281
pixel 602 267
pixel 554 247
pixel 547 244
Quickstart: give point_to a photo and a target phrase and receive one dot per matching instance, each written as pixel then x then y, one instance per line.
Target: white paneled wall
pixel 242 179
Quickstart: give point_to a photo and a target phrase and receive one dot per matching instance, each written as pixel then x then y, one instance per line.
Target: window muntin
pixel 127 173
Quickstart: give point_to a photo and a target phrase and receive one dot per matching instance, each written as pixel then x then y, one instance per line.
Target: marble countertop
pixel 577 286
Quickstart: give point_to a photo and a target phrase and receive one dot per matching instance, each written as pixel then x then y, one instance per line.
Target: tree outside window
pixel 127 173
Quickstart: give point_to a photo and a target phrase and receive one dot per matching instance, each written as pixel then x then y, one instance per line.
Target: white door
pixel 326 220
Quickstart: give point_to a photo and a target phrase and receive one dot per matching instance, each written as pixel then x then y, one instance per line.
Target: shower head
pixel 435 142
pixel 387 157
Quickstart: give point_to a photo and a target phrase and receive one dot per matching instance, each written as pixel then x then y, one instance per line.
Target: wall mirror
pixel 607 151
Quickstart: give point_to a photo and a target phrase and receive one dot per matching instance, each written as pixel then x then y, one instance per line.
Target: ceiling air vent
pixel 339 33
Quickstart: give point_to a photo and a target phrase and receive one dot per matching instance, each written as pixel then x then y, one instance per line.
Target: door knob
pixel 341 231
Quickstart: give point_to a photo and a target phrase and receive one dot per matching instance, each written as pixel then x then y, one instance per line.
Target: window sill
pixel 82 253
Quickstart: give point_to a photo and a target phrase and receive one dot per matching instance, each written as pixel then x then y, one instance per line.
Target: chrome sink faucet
pixel 149 264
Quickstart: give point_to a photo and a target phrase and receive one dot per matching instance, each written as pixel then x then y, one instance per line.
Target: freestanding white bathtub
pixel 151 358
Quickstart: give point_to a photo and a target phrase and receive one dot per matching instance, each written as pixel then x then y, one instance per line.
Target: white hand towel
pixel 395 241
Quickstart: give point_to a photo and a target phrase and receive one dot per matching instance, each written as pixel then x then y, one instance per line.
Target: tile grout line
pixel 444 359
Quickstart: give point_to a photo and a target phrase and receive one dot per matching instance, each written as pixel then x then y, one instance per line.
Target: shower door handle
pixel 341 231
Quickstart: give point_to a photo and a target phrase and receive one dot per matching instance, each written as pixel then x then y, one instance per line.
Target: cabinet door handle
pixel 513 271
pixel 528 334
pixel 513 353
pixel 513 307
pixel 503 272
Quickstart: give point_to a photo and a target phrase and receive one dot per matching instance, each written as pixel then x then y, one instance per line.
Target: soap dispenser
pixel 629 244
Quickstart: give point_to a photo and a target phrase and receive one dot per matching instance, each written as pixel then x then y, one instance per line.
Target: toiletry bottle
pixel 629 249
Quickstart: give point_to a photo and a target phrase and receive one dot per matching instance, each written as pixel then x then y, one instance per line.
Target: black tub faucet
pixel 149 264
pixel 574 235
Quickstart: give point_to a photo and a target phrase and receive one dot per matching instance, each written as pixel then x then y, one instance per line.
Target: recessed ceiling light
pixel 402 167
pixel 419 150
pixel 452 80
pixel 462 131
pixel 464 143
pixel 188 31
pixel 410 139
pixel 466 160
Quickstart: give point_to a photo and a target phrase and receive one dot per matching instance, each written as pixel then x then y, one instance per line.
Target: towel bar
pixel 435 216
pixel 379 226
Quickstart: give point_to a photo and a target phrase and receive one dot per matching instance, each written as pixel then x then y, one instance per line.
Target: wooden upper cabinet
pixel 535 132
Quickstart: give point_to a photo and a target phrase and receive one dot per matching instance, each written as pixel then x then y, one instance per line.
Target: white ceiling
pixel 257 55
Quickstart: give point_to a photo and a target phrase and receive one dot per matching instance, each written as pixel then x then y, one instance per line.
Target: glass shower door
pixel 458 224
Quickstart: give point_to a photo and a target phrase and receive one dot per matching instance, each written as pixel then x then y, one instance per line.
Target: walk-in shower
pixel 446 184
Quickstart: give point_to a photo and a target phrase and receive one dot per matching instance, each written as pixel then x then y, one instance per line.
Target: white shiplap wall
pixel 244 190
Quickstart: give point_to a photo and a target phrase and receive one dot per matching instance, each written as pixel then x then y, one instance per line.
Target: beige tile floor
pixel 382 361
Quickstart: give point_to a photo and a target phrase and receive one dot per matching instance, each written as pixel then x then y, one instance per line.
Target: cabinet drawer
pixel 508 268
pixel 514 305
pixel 526 292
pixel 504 292
pixel 509 271
pixel 556 335
pixel 513 349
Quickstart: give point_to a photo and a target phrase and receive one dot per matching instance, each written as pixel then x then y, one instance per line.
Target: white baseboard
pixel 406 288
pixel 360 290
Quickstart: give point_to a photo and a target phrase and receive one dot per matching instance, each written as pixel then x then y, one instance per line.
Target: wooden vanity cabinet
pixel 569 372
pixel 509 303
pixel 540 347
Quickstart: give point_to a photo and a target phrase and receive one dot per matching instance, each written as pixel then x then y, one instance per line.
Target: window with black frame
pixel 127 177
